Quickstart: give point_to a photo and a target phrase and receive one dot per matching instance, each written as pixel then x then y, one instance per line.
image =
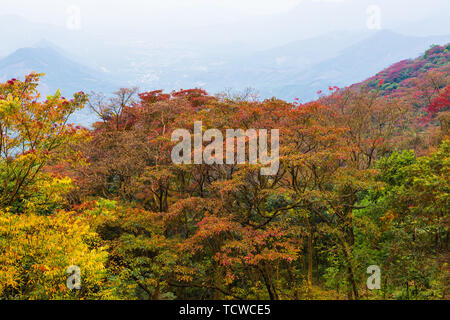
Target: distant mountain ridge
pixel 302 68
pixel 285 72
pixel 60 72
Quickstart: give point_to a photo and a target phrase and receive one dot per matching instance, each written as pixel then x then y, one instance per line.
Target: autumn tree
pixel 32 135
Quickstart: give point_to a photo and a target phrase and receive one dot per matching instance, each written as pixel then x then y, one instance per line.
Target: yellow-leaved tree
pixel 38 240
pixel 36 252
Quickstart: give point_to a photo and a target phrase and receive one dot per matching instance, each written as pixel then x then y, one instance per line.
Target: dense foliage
pixel 363 180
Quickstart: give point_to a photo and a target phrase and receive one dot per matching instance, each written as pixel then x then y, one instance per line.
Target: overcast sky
pixel 283 20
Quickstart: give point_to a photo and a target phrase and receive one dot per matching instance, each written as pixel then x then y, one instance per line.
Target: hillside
pixel 398 76
pixel 354 64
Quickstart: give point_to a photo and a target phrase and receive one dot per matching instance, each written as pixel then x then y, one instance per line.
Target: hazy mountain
pixel 247 71
pixel 301 68
pixel 304 53
pixel 297 69
pixel 60 72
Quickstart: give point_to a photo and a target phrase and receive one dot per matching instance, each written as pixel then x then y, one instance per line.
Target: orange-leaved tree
pixel 33 133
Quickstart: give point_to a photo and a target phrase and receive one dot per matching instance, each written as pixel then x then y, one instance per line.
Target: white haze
pixel 260 23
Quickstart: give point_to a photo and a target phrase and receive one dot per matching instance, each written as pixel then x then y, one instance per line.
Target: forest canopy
pixel 363 180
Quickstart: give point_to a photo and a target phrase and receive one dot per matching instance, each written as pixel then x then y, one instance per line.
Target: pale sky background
pixel 237 19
